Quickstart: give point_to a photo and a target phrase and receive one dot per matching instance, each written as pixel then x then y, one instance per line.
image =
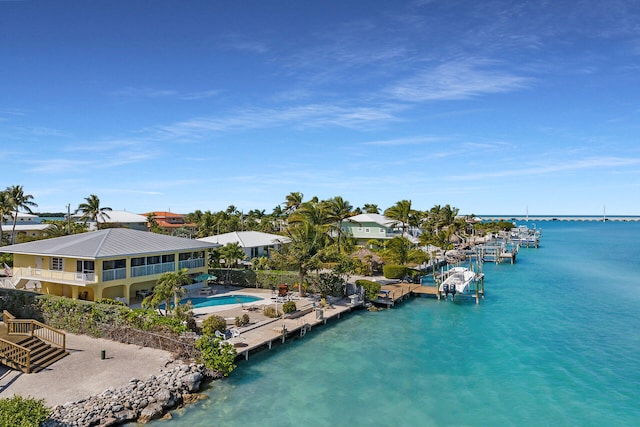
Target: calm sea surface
pixel 556 342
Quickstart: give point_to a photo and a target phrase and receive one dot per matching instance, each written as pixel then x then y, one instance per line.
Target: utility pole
pixel 69 218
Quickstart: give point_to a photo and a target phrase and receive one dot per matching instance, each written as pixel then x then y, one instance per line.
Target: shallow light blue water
pixel 556 342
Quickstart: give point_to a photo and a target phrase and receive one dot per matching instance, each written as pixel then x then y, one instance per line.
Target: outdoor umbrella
pixel 204 277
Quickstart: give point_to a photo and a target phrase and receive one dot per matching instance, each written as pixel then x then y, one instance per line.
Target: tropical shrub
pixel 84 317
pixel 20 303
pixel 212 324
pixel 289 307
pixel 394 271
pixel 109 301
pixel 19 411
pixel 242 320
pixel 371 289
pixel 215 354
pixel 271 312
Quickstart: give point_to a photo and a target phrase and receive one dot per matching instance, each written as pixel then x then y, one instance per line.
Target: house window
pixel 359 228
pixel 382 230
pixel 366 230
pixel 57 264
pixel 85 266
pixel 114 264
pixel 136 262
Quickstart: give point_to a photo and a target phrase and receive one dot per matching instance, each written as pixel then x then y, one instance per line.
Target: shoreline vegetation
pixel 320 258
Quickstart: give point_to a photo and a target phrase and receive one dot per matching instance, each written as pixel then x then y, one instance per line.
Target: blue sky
pixel 489 106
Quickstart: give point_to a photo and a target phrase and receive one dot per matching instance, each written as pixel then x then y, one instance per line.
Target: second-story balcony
pixel 55 276
pixel 191 263
pixel 151 269
pixel 114 274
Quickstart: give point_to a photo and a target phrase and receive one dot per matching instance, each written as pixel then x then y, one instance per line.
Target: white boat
pixel 525 236
pixel 457 285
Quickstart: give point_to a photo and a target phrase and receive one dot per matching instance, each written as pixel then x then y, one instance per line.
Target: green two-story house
pixel 365 227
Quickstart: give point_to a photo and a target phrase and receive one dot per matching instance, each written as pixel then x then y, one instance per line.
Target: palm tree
pixel 169 286
pixel 293 201
pixel 401 212
pixel 206 224
pixel 304 251
pixel 152 224
pixel 56 229
pixel 371 208
pixel 338 210
pixel 313 213
pixel 231 253
pixel 6 209
pixel 20 201
pixel 91 210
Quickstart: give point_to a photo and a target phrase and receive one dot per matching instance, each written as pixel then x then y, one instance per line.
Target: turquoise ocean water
pixel 556 342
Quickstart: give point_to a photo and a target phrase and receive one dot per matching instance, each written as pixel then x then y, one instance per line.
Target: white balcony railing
pixel 148 270
pixel 56 276
pixel 191 263
pixel 114 274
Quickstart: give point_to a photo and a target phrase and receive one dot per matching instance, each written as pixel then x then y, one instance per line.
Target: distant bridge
pixel 589 218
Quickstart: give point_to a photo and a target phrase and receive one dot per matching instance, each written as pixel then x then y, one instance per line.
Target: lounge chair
pixel 206 291
pixel 225 336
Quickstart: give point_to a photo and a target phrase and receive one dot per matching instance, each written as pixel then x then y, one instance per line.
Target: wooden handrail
pixel 31 327
pixel 16 353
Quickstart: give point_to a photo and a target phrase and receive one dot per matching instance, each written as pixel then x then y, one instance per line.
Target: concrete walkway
pixel 83 373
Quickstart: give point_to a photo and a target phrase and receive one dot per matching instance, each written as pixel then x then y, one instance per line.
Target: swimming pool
pixel 200 302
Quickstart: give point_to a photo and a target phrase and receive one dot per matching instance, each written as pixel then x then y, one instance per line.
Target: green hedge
pixel 392 271
pixel 238 276
pixel 270 279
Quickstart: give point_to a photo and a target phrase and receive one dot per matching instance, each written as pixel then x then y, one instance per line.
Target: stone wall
pixel 139 401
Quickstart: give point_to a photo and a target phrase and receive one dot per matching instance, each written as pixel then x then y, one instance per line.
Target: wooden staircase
pixel 42 354
pixel 29 345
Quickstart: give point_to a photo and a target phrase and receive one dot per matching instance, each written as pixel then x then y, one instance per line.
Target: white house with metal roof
pixel 27 225
pixel 121 219
pixel 111 263
pixel 254 243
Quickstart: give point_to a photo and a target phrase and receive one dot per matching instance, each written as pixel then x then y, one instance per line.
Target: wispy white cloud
pixel 553 167
pixel 302 116
pixel 455 80
pixel 415 140
pixel 133 93
pixel 81 166
pixel 242 43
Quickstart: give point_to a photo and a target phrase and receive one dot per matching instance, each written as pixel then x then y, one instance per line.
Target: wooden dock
pixel 393 293
pixel 264 334
pixel 497 253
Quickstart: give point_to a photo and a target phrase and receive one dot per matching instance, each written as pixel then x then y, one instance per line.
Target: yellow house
pixel 115 263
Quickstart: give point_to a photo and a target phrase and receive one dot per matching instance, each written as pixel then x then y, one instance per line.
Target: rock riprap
pixel 139 401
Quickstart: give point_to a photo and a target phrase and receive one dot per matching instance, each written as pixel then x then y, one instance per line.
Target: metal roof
pixel 108 243
pixel 247 239
pixel 375 218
